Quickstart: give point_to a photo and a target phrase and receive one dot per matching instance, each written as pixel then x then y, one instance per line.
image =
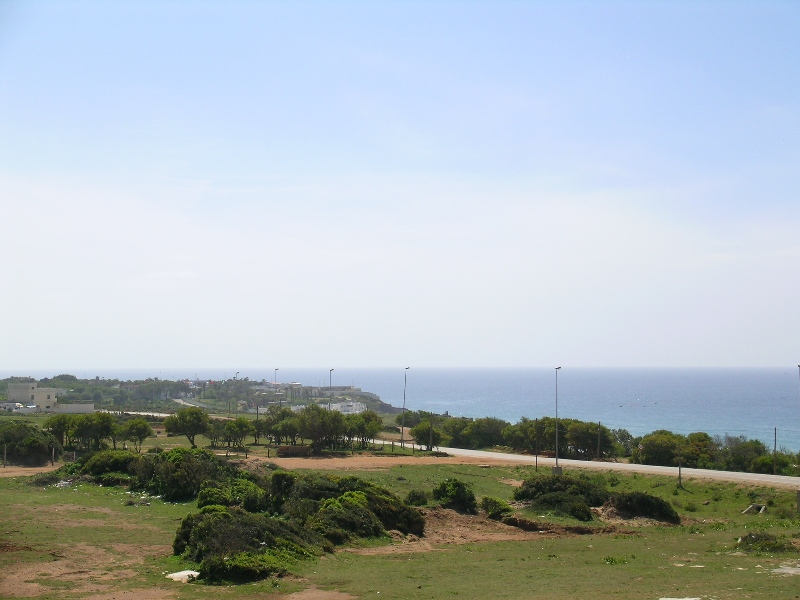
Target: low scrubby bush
pixel 218 530
pixel 348 516
pixel 455 494
pixel 495 508
pixel 237 492
pixel 761 541
pixel 416 498
pixel 179 474
pixel 588 491
pixel 564 504
pixel 241 568
pixel 109 461
pixel 640 504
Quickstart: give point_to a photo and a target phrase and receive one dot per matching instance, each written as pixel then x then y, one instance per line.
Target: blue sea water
pixel 750 402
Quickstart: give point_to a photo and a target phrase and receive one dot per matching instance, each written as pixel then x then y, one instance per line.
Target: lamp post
pixel 557 469
pixel 236 390
pixel 403 417
pixel 275 387
pixel 330 388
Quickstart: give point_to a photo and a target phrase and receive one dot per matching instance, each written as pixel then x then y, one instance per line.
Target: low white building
pixel 349 408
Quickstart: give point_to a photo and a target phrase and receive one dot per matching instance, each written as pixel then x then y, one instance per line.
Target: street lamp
pixel 236 390
pixel 403 417
pixel 330 388
pixel 275 387
pixel 557 470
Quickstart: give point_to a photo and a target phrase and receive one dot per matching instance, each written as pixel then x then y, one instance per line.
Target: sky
pixel 381 184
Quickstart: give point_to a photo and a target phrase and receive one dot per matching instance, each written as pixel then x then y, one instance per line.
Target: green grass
pixel 700 558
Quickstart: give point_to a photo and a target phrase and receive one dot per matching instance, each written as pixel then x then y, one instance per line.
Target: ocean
pixel 749 402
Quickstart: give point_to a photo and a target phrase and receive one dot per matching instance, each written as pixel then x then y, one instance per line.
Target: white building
pixel 349 408
pixel 35 399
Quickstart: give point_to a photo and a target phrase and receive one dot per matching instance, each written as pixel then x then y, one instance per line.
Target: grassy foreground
pixel 85 541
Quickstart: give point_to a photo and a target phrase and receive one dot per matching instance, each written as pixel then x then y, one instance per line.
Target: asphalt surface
pixel 751 478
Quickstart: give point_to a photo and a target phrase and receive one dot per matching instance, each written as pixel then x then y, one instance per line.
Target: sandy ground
pixel 9 471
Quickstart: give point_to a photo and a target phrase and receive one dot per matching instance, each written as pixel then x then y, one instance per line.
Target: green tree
pixel 423 435
pixel 237 430
pixel 660 447
pixel 484 433
pixel 137 431
pixel 58 425
pixel 191 422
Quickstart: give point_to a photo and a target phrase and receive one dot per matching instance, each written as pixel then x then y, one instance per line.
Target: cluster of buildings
pixel 28 398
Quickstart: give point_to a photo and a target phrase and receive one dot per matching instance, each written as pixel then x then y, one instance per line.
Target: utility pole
pixel 557 469
pixel 598 440
pixel 403 416
pixel 330 388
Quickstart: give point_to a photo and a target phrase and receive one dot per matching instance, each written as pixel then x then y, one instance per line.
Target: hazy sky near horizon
pixel 399 183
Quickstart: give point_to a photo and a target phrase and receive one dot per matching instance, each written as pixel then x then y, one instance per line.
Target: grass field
pixel 85 541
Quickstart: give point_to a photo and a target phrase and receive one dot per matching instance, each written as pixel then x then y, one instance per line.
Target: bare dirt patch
pixel 444 527
pixel 371 462
pixel 90 569
pixel 10 471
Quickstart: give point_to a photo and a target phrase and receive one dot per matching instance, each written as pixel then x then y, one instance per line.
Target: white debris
pixel 185 576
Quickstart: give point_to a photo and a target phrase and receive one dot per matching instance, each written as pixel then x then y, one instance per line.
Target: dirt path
pixel 10 471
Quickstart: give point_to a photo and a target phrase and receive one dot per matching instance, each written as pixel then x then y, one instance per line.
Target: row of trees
pixel 724 453
pixel 323 428
pixel 92 431
pixel 576 439
pixel 23 442
pixel 587 441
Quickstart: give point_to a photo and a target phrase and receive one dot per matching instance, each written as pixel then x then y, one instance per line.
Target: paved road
pixel 752 478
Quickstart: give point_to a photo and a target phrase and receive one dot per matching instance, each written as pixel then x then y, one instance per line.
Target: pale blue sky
pixel 399 183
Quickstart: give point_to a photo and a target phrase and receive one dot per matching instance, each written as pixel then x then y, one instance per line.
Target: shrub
pixel 241 568
pixel 589 492
pixel 495 508
pixel 564 504
pixel 178 474
pixel 761 541
pixel 108 461
pixel 455 494
pixel 390 510
pixel 416 498
pixel 340 519
pixel 640 504
pixel 217 530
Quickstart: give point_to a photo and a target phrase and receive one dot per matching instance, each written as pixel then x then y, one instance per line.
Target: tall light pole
pixel 275 387
pixel 330 388
pixel 403 417
pixel 557 470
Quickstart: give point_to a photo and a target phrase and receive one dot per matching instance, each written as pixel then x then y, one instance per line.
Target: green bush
pixel 495 508
pixel 564 504
pixel 761 541
pixel 108 461
pixel 390 510
pixel 178 474
pixel 241 568
pixel 218 530
pixel 341 519
pixel 455 494
pixel 416 498
pixel 591 493
pixel 640 504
